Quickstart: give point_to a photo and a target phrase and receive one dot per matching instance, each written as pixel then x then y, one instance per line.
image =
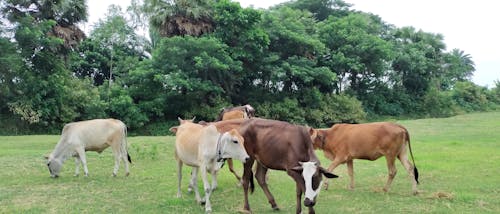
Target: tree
pixel 179 17
pixel 321 8
pixel 458 67
pixel 357 53
pixel 111 50
pixel 184 73
pixel 418 60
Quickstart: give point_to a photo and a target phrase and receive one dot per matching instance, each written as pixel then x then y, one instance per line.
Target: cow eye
pixel 234 141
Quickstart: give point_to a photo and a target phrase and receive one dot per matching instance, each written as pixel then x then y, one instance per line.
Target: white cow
pixel 91 135
pixel 204 148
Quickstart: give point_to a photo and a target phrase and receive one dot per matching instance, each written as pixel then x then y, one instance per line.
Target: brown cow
pixel 246 111
pixel 281 146
pixel 344 142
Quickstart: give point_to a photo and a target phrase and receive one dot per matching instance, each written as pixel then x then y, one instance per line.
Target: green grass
pixel 458 159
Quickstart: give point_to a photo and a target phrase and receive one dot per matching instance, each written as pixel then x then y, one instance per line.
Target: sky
pixel 471 26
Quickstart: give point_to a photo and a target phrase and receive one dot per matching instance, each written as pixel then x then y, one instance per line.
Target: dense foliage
pixel 312 62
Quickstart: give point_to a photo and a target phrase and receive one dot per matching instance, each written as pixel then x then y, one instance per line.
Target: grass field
pixel 458 159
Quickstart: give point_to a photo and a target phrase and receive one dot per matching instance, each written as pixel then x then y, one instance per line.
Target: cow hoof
pixel 179 195
pixel 415 192
pixel 208 210
pixel 276 208
pixel 114 174
pixel 76 175
pixel 127 174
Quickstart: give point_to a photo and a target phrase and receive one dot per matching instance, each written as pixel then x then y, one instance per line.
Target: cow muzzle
pixel 309 203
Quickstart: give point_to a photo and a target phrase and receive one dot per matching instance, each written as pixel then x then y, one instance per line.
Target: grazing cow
pixel 91 135
pixel 281 146
pixel 344 142
pixel 205 148
pixel 246 111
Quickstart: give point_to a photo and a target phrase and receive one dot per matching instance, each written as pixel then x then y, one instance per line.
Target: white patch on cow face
pixel 309 170
pixel 233 146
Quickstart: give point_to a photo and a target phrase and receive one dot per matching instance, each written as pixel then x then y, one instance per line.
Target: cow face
pixel 233 146
pixel 54 166
pixel 312 174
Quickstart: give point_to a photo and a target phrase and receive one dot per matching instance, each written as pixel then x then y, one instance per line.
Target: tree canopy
pixel 314 62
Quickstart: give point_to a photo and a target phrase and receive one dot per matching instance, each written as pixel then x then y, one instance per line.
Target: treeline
pixel 306 61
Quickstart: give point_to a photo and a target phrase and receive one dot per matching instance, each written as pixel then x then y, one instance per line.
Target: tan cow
pixel 91 135
pixel 205 148
pixel 237 112
pixel 344 142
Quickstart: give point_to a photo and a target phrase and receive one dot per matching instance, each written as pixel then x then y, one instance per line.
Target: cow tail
pixel 415 171
pixel 125 143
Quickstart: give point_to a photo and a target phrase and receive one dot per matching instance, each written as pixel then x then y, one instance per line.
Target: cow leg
pixel 247 177
pixel 77 165
pixel 179 178
pixel 336 162
pixel 403 158
pixel 117 154
pixel 231 168
pixel 214 179
pixel 298 191
pixel 206 187
pixel 350 171
pixel 260 175
pixel 125 155
pixel 392 171
pixel 83 159
pixel 194 178
pixel 191 182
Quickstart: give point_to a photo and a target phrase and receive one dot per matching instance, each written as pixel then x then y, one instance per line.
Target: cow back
pixel 276 144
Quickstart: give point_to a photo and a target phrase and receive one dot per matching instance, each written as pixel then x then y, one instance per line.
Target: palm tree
pixel 179 17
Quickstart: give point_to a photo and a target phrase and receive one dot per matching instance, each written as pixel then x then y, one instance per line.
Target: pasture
pixel 458 159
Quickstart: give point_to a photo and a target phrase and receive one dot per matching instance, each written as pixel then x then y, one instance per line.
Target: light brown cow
pixel 205 148
pixel 344 142
pixel 91 135
pixel 246 111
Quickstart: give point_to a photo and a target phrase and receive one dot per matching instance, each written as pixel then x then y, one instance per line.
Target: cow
pixel 91 135
pixel 281 146
pixel 205 148
pixel 342 143
pixel 246 111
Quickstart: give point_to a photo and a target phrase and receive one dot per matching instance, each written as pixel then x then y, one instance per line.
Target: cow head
pixel 312 174
pixel 233 146
pixel 249 110
pixel 54 166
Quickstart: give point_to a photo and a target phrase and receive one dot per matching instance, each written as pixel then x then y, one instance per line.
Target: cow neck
pixel 220 148
pixel 62 151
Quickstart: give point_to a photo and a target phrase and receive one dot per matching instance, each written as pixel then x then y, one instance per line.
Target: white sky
pixel 471 26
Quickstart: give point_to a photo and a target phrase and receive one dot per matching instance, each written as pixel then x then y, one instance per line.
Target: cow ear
pixel 327 174
pixel 174 129
pixel 313 133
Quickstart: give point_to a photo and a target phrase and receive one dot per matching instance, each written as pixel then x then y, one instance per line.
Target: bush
pixel 335 108
pixel 470 97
